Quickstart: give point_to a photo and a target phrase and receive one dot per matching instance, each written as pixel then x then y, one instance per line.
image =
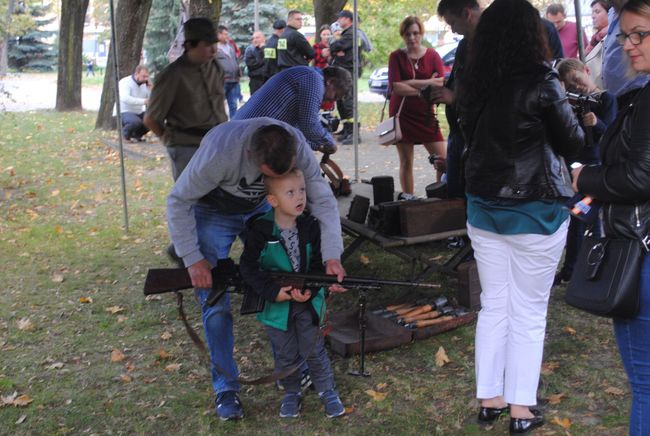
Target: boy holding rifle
pixel 285 239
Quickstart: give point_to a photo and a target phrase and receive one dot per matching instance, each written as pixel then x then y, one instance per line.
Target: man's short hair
pixel 140 68
pixel 340 78
pixel 279 24
pixel 554 9
pixel 455 7
pixel 271 182
pixel 199 29
pixel 275 147
pixel 292 13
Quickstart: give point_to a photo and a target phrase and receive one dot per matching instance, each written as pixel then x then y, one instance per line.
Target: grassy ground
pixel 78 339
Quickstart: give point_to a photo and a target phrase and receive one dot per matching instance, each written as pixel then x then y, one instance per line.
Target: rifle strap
pixel 204 354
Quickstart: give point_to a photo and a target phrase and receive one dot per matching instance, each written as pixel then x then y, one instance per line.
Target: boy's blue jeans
pixel 216 232
pixel 633 339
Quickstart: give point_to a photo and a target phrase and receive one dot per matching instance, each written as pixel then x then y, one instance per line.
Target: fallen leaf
pixel 22 401
pixel 173 367
pixel 85 300
pixel 152 298
pixel 55 193
pixel 114 309
pixel 25 324
pixel 11 171
pixel 555 399
pixel 441 357
pixel 365 260
pixel 549 367
pixel 8 399
pixel 615 391
pixel 564 422
pixel 121 318
pixel 58 229
pixel 57 278
pixel 125 378
pixel 162 354
pixel 349 410
pixel 381 386
pixel 569 330
pixel 377 396
pixel 166 336
pixel 117 355
pixel 21 419
pixel 56 365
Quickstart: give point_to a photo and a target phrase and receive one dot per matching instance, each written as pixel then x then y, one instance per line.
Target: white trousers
pixel 516 274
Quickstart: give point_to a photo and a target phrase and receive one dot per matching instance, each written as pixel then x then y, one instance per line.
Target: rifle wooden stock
pixel 419 310
pixel 429 322
pixel 394 307
pixel 427 315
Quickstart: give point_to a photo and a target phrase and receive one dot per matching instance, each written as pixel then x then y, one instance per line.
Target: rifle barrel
pixel 350 281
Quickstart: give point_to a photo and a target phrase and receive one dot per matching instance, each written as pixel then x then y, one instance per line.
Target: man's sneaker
pixel 228 406
pixel 332 402
pixel 406 196
pixel 305 383
pixel 290 407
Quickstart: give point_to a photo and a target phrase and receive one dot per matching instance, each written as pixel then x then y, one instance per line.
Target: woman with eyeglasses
pixel 622 183
pixel 409 71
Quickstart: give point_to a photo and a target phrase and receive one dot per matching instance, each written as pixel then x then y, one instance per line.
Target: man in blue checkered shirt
pixel 295 95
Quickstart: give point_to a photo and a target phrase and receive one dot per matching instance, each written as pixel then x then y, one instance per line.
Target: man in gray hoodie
pixel 220 189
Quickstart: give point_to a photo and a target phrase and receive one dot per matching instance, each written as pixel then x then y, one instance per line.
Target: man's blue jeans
pixel 216 232
pixel 233 93
pixel 633 338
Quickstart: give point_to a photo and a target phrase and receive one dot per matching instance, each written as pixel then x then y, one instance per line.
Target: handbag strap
pixel 399 111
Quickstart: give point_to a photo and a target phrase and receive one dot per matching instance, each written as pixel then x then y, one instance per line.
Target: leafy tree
pixel 28 48
pixel 163 24
pixel 68 80
pixel 239 17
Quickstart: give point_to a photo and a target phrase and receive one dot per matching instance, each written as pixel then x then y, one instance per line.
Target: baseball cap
pixel 346 14
pixel 200 29
pixel 279 24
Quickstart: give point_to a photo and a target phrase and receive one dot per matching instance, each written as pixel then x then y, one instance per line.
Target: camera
pixel 329 121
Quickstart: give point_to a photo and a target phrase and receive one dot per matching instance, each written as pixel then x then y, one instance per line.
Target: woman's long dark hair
pixel 509 40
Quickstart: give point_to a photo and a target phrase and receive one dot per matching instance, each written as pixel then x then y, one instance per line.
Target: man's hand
pixel 201 274
pixel 333 267
pixel 575 173
pixel 440 94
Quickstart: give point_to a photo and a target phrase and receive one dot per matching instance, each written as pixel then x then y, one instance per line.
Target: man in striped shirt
pixel 295 95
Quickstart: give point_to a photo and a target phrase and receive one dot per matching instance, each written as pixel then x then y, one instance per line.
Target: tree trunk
pixel 206 8
pixel 71 30
pixel 326 11
pixel 4 39
pixel 130 21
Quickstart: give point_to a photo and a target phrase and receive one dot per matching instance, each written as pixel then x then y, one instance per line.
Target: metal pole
pixel 579 30
pixel 119 114
pixel 355 89
pixel 257 15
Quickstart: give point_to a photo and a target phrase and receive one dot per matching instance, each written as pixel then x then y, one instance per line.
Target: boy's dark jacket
pixel 265 252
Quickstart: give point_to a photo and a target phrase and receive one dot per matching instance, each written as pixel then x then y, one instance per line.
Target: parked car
pixel 378 81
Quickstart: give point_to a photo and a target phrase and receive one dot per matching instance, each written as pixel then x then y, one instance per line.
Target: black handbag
pixel 605 280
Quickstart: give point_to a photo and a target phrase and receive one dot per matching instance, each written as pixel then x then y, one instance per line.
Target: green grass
pixel 62 243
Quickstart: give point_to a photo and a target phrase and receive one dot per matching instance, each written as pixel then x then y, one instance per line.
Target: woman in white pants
pixel 518 126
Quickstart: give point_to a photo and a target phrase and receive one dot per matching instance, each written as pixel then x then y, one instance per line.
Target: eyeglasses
pixel 634 37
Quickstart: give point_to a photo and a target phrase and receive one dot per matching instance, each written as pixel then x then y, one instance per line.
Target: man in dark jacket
pixel 271 48
pixel 342 50
pixel 254 58
pixel 227 56
pixel 293 48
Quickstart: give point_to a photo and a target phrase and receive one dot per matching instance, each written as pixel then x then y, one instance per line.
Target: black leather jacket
pixel 515 140
pixel 622 181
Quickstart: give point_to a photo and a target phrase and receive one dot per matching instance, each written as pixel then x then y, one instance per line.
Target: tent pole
pixel 119 114
pixel 355 89
pixel 579 30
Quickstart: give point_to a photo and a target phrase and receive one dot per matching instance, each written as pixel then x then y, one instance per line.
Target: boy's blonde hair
pixel 271 182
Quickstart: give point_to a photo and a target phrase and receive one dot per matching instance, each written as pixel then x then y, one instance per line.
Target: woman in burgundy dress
pixel 409 71
pixel 322 57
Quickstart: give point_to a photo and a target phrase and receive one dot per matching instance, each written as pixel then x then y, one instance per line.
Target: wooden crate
pixel 423 217
pixel 469 286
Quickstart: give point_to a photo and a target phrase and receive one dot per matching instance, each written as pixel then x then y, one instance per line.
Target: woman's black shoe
pixel 524 425
pixel 490 414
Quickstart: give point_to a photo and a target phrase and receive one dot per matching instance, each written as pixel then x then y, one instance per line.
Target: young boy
pixel 285 239
pixel 575 76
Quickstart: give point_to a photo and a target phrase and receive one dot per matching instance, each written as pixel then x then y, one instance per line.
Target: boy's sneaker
pixel 228 406
pixel 290 407
pixel 332 402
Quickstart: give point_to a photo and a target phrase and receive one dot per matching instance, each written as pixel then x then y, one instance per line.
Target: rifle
pixel 581 103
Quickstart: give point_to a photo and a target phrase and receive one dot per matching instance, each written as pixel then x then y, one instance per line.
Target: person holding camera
pixel 518 125
pixel 134 96
pixel 295 96
pixel 409 71
pixel 622 183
